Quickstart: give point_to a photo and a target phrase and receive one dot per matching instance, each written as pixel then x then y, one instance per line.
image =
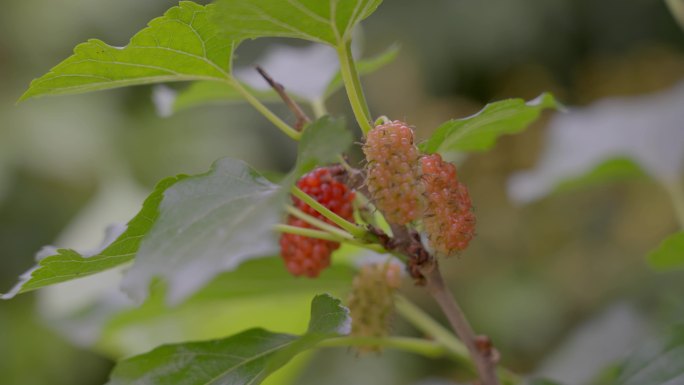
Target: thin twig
pixel 302 118
pixel 481 350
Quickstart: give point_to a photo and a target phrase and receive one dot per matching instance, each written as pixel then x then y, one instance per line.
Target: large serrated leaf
pixel 245 358
pixel 179 46
pixel 207 224
pixel 670 254
pixel 68 264
pixel 480 131
pixel 330 22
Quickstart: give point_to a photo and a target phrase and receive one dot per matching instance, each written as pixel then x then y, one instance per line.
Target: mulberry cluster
pixel 309 256
pixel 394 172
pixel 449 221
pixel 371 301
pixel 406 186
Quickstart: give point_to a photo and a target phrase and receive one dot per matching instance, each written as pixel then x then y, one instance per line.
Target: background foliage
pixel 571 265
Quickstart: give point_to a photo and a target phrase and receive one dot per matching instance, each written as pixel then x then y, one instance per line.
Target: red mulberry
pixel 309 256
pixel 449 221
pixel 394 172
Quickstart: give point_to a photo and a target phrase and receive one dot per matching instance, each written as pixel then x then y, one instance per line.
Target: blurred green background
pixel 545 280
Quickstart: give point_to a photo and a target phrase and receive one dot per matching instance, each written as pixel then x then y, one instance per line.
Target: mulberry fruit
pixel 394 172
pixel 449 221
pixel 371 301
pixel 309 256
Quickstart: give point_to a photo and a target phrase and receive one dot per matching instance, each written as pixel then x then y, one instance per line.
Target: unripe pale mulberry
pixel 394 172
pixel 371 302
pixel 449 221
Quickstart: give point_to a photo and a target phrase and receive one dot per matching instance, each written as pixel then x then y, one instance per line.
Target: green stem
pixel 675 188
pixel 414 345
pixel 268 114
pixel 353 86
pixel 425 323
pixel 318 223
pixel 318 234
pixel 311 233
pixel 349 227
pixel 318 107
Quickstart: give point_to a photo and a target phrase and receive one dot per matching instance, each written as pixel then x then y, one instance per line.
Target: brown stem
pixel 302 118
pixel 481 350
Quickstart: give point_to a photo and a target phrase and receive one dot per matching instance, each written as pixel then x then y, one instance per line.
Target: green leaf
pixel 207 224
pixel 209 92
pixel 611 170
pixel 656 364
pixel 364 67
pixel 677 9
pixel 322 142
pixel 578 141
pixel 329 22
pixel 670 254
pixel 259 293
pixel 179 46
pixel 68 264
pixel 245 358
pixel 542 381
pixel 480 131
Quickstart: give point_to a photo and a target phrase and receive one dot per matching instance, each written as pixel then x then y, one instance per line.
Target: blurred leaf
pixel 322 142
pixel 256 294
pixel 179 46
pixel 480 131
pixel 677 9
pixel 364 67
pixel 245 358
pixel 542 381
pixel 646 129
pixel 32 354
pixel 207 224
pixel 304 71
pixel 68 264
pixel 660 364
pixel 207 92
pixel 316 64
pixel 607 375
pixel 329 22
pixel 608 171
pixel 670 254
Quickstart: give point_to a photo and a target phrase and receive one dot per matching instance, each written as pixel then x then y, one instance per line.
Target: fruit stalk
pixel 482 353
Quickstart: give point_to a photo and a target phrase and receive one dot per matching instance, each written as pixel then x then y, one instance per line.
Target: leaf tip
pixel 547 100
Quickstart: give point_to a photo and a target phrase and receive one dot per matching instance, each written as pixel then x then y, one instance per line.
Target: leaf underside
pixel 68 264
pixel 656 364
pixel 208 223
